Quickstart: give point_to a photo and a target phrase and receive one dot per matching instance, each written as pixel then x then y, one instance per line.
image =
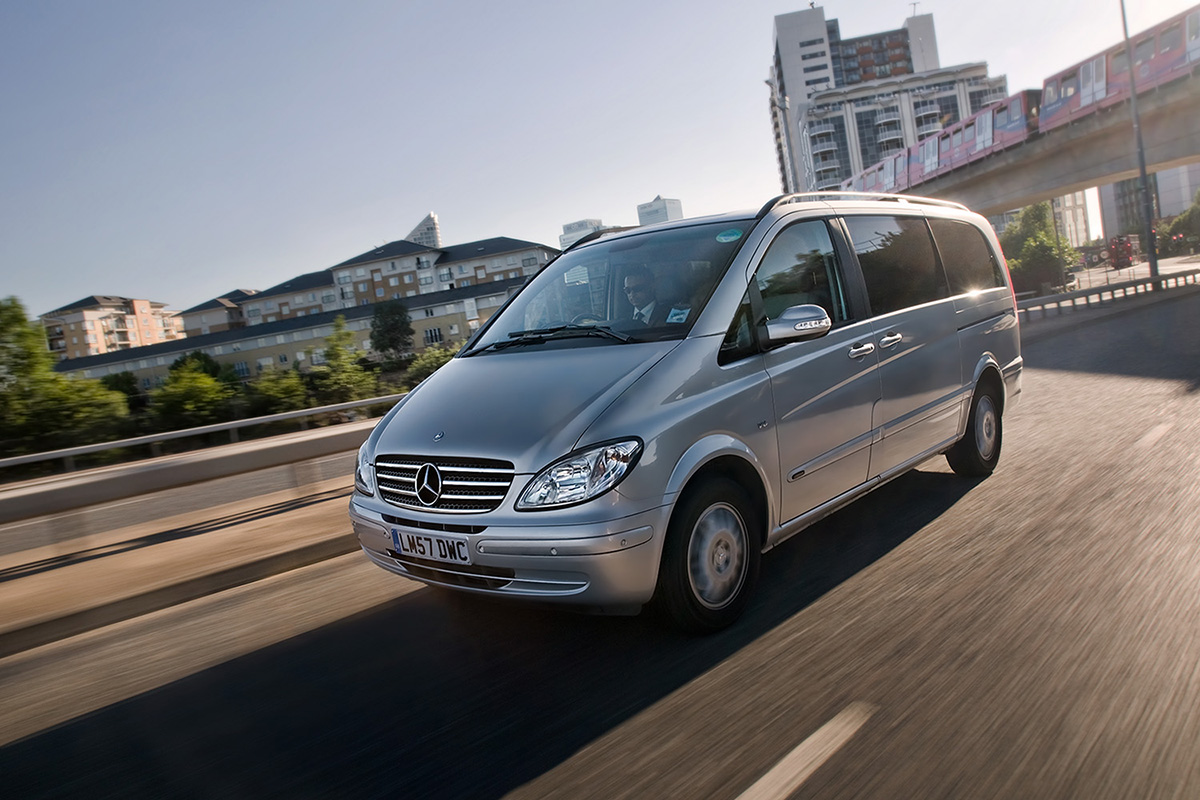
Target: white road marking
pixel 786 776
pixel 1153 435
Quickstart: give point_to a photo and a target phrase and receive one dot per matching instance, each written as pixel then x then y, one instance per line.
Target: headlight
pixel 364 472
pixel 580 476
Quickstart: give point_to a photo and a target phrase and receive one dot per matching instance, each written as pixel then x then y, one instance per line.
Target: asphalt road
pixel 1032 635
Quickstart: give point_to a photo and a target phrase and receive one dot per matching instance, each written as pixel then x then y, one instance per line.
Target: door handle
pixel 860 350
pixel 891 339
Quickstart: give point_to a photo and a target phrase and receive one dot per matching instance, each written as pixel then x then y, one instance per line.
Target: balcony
pixel 829 183
pixel 888 152
pixel 828 165
pixel 928 129
pixel 820 130
pixel 824 146
pixel 887 116
pixel 927 109
pixel 893 134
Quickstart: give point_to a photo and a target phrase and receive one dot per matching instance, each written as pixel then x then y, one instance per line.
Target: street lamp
pixel 1143 181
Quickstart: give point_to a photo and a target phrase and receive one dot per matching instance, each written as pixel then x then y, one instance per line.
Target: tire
pixel 976 454
pixel 710 558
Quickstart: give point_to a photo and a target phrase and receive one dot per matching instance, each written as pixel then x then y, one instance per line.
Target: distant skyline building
pixel 840 105
pixel 659 210
pixel 1071 216
pixel 427 233
pixel 574 231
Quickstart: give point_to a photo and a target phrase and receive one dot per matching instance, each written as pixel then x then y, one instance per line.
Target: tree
pixel 1036 258
pixel 40 409
pixel 127 384
pixel 276 391
pixel 206 364
pixel 391 330
pixel 427 363
pixel 340 378
pixel 1183 227
pixel 24 361
pixel 190 397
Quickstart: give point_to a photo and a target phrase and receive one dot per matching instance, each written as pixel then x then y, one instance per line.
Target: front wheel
pixel 977 453
pixel 710 558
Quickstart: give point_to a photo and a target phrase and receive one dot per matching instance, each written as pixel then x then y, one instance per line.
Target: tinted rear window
pixel 896 255
pixel 969 262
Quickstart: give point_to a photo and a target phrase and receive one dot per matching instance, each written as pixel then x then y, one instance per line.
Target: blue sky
pixel 177 149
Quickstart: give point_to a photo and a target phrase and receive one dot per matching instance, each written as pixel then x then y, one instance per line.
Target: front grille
pixel 468 485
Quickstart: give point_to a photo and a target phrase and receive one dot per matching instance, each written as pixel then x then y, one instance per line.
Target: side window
pixel 898 265
pixel 969 262
pixel 1070 85
pixel 1143 51
pixel 800 268
pixel 1120 62
pixel 1050 96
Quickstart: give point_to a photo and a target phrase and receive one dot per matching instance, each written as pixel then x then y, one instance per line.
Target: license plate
pixel 431 546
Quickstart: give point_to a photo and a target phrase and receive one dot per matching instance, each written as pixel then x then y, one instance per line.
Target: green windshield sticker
pixel 729 236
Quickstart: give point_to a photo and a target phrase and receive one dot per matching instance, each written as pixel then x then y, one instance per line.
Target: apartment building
pixel 400 270
pixel 219 314
pixel 443 318
pixel 839 105
pixel 100 324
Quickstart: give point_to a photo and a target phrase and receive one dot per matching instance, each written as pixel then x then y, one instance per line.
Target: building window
pixel 529 262
pixel 429 312
pixel 379 292
pixel 445 275
pixel 241 369
pixel 344 277
pixel 426 280
pixel 433 336
pixel 283 358
pixel 408 278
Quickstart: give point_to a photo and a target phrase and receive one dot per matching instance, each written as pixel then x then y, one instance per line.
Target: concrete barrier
pixel 278 462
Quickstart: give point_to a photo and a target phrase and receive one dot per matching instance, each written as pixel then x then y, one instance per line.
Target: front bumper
pixel 601 565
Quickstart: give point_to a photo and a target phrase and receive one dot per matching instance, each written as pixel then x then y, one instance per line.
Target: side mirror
pixel 798 323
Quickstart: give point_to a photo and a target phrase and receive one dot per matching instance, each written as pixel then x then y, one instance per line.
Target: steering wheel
pixel 586 319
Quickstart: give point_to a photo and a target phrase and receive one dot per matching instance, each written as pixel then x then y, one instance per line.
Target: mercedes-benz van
pixel 661 405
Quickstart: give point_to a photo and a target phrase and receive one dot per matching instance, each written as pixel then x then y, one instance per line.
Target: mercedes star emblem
pixel 429 484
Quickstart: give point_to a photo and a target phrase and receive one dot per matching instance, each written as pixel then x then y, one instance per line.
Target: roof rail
pixel 801 197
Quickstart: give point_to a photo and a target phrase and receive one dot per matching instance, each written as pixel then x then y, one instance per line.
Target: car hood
pixel 528 407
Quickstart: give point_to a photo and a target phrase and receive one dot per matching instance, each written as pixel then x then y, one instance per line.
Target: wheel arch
pixel 729 458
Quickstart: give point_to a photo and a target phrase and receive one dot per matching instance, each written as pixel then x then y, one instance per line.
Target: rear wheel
pixel 710 558
pixel 978 452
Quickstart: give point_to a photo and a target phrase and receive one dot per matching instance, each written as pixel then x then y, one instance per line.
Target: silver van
pixel 659 406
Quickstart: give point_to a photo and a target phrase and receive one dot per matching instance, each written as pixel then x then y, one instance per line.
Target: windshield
pixel 644 287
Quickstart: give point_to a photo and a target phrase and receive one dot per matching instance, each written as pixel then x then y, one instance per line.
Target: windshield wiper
pixel 568 331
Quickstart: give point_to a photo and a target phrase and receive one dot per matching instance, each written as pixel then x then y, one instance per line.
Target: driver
pixel 643 296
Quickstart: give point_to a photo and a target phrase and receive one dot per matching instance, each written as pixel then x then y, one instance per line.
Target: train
pixel 1166 52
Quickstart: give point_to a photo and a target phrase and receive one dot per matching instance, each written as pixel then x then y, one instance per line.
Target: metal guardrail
pixel 1102 295
pixel 68 454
